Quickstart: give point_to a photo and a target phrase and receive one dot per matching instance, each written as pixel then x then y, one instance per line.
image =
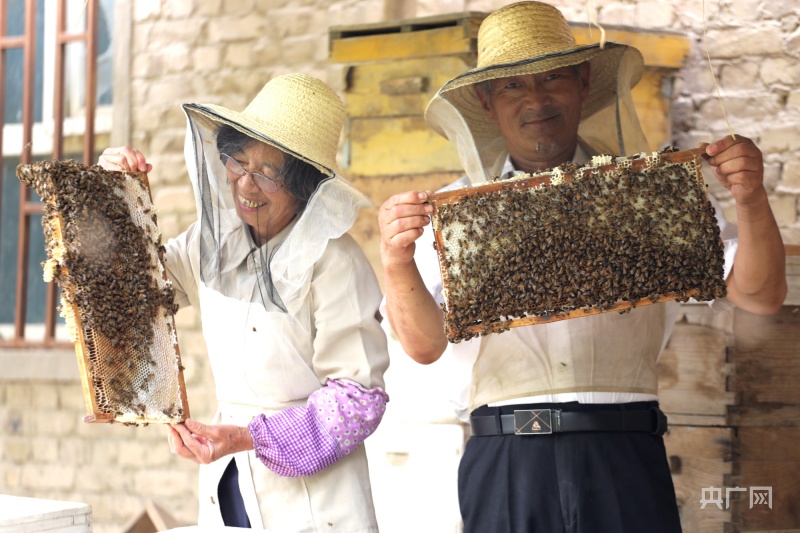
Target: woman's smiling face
pixel 266 213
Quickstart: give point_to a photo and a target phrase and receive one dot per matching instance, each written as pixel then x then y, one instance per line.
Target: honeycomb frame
pixel 104 250
pixel 615 234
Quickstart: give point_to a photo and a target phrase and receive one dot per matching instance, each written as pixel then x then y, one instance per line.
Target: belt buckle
pixel 533 422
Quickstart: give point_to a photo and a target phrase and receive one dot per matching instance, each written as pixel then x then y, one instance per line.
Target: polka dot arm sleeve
pixel 301 441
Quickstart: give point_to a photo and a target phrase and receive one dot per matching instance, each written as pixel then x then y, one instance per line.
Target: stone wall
pixel 223 51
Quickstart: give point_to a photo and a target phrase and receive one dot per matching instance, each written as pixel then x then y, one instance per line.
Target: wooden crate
pixel 728 382
pixel 767 418
pixel 394 69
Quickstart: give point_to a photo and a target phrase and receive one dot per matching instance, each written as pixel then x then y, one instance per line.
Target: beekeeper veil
pixel 529 38
pixel 302 117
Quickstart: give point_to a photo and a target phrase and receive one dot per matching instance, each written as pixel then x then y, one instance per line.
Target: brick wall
pixel 223 51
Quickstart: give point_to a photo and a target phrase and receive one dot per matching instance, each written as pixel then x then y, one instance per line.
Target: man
pixel 537 100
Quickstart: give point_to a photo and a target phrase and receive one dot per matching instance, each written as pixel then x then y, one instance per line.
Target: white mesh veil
pixel 615 128
pixel 609 128
pixel 282 269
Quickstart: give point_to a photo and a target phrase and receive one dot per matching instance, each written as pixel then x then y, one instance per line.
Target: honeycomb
pixel 104 250
pixel 615 234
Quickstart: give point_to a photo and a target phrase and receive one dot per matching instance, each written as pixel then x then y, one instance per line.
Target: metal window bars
pixel 29 208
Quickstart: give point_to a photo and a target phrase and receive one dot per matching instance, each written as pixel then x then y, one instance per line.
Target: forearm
pixel 414 315
pixel 758 280
pixel 292 444
pixel 302 440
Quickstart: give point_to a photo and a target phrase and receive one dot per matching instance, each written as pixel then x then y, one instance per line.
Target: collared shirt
pixel 336 418
pixel 579 158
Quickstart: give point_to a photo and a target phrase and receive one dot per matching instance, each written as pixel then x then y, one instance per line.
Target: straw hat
pixel 295 113
pixel 530 38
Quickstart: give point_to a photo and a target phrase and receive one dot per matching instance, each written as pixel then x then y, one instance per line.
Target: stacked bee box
pixel 728 382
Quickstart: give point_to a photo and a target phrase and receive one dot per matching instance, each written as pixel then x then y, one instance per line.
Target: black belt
pixel 547 421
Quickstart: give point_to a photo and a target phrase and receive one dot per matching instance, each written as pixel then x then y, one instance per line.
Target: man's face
pixel 538 114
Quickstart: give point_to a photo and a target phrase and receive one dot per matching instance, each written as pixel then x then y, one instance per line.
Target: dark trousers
pixel 582 482
pixel 231 504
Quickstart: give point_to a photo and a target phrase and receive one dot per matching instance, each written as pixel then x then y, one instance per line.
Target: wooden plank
pixel 699 458
pixel 373 148
pixel 768 357
pixel 783 477
pixel 769 444
pixel 770 380
pixel 693 373
pixel 692 419
pixel 765 333
pixel 659 49
pixel 429 43
pixel 368 93
pixel 470 19
pixel 771 415
pixel 701 314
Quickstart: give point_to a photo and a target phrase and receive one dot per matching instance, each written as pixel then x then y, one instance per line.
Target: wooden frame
pixel 457 332
pixel 127 350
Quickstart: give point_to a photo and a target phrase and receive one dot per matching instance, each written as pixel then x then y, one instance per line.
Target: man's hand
pixel 757 282
pixel 413 313
pixel 205 444
pixel 125 159
pixel 401 219
pixel 739 167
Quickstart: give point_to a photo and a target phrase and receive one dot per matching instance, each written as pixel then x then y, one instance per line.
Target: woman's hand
pixel 125 159
pixel 205 444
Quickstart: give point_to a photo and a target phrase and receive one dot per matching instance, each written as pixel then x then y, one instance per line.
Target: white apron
pixel 339 497
pixel 264 360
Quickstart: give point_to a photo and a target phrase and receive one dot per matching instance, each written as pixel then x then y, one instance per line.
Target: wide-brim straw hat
pixel 529 38
pixel 295 113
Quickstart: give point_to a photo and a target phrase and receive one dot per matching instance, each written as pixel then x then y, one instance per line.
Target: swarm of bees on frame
pixel 614 234
pixel 104 251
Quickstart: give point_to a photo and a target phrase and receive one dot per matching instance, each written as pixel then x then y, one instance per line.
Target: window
pixel 43 57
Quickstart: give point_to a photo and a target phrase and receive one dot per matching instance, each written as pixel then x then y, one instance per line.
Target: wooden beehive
pixel 615 234
pixel 728 384
pixel 104 250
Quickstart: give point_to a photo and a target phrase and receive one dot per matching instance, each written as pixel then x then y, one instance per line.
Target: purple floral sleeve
pixel 301 441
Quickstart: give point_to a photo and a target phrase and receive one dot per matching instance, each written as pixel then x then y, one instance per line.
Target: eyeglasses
pixel 268 185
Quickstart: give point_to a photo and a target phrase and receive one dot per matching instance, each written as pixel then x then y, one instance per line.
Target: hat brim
pixel 214 115
pixel 605 62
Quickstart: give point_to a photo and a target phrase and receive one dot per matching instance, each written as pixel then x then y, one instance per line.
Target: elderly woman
pixel 289 313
